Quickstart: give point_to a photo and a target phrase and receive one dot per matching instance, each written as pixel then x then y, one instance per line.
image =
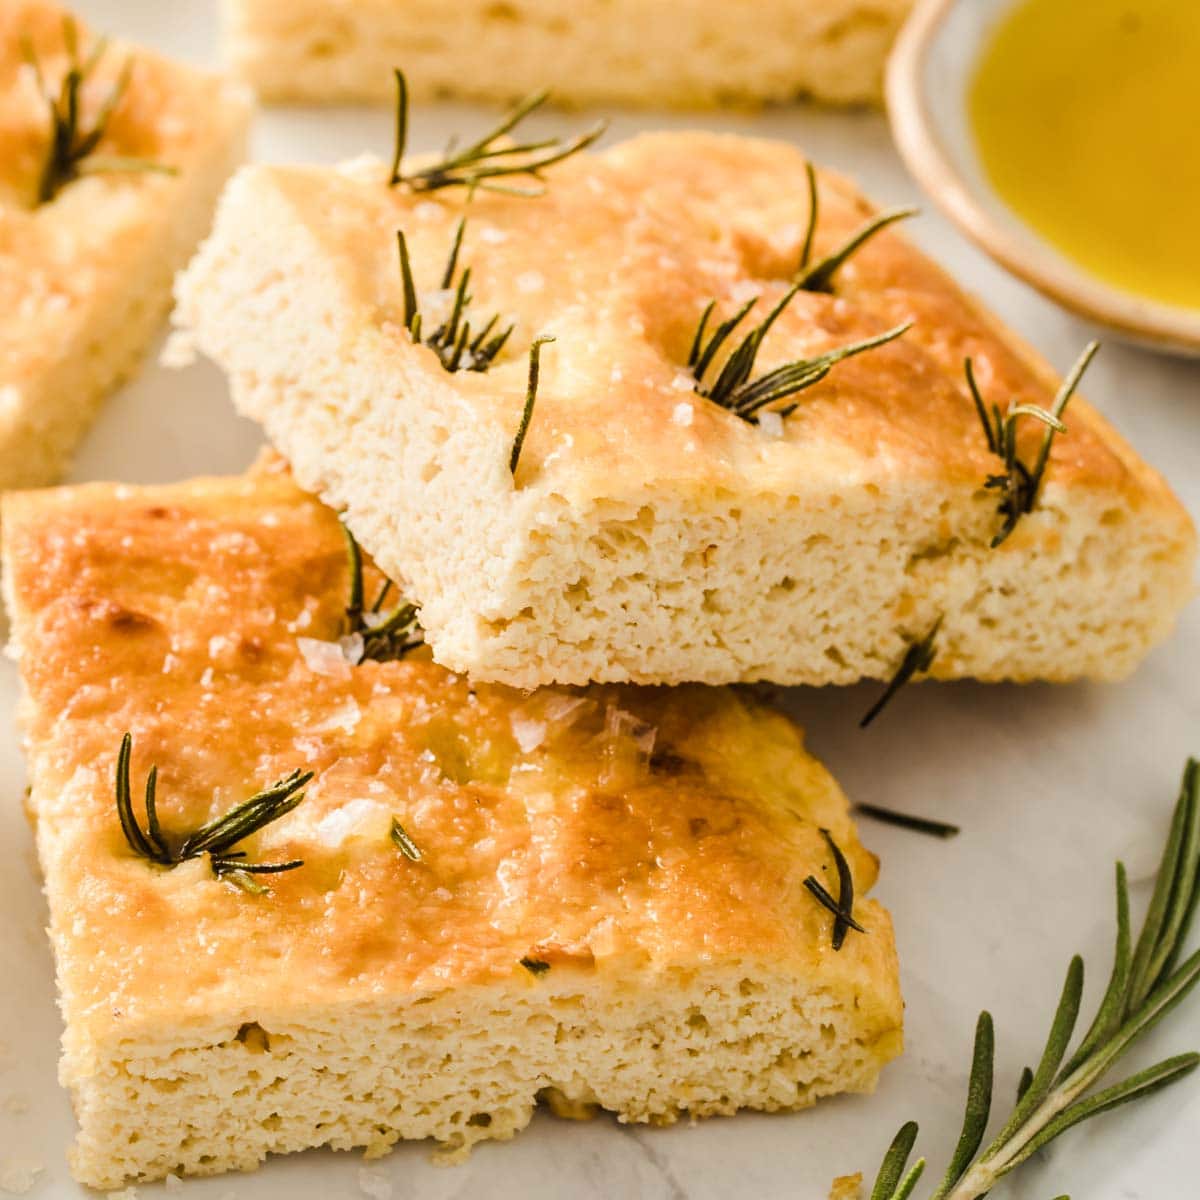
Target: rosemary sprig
pixel 1146 983
pixel 494 156
pixel 732 387
pixel 452 341
pixel 404 843
pixel 818 277
pixel 531 387
pixel 889 816
pixel 843 906
pixel 535 966
pixel 214 840
pixel 917 658
pixel 1019 484
pixel 386 636
pixel 72 144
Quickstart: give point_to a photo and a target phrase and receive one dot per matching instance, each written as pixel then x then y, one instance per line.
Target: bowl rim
pixel 1030 257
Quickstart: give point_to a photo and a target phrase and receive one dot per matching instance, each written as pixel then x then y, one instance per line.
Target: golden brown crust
pixel 618 260
pixel 174 612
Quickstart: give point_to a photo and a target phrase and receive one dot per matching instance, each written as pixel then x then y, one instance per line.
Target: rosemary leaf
pixel 385 638
pixel 214 840
pixel 819 276
pixel 810 231
pixel 71 152
pixel 1143 988
pixel 917 658
pixel 404 843
pixel 891 1171
pixel 733 388
pixel 535 966
pixel 531 387
pixel 979 1105
pixel 1019 483
pixel 451 341
pixel 491 158
pixel 841 915
pixel 890 816
pixel 845 899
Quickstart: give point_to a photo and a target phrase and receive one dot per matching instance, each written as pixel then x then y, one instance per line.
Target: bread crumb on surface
pixel 847 1187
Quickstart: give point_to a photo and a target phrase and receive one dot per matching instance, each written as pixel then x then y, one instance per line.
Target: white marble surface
pixel 1050 785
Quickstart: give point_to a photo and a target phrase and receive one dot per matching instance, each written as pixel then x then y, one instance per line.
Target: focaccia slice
pixel 651 534
pixel 595 896
pixel 88 250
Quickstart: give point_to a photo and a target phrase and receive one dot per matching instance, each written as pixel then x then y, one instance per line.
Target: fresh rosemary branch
pixel 404 843
pixel 386 636
pixel 494 156
pixel 1019 484
pixel 531 387
pixel 843 906
pixel 72 144
pixel 818 277
pixel 890 816
pixel 917 658
pixel 452 340
pixel 217 838
pixel 1146 983
pixel 733 389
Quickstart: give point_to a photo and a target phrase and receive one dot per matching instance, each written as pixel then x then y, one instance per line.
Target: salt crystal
pixel 683 414
pixel 683 381
pixel 323 658
pixel 346 717
pixel 771 424
pixel 619 723
pixel 492 235
pixel 530 281
pixel 362 817
pixel 562 710
pixel 529 734
pixel 352 647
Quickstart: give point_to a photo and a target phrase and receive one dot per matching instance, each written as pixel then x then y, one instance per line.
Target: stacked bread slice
pixel 648 533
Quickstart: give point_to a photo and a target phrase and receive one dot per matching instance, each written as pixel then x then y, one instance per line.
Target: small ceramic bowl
pixel 928 78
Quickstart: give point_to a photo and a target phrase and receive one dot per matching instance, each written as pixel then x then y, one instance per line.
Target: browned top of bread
pixel 617 261
pixel 609 829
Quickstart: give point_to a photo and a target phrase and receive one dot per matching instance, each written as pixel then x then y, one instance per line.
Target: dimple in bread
pixel 638 52
pixel 85 276
pixel 643 851
pixel 649 534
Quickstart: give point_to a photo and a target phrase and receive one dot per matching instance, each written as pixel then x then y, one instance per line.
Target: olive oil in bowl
pixel 1086 117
